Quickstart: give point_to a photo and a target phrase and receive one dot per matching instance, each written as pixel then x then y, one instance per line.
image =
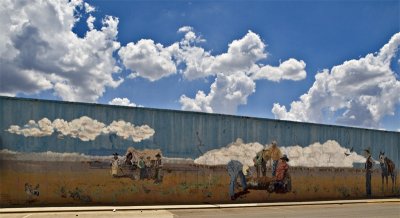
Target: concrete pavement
pixel 386 210
pixel 350 208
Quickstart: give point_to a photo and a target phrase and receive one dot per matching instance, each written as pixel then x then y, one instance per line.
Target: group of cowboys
pixel 279 170
pixel 148 169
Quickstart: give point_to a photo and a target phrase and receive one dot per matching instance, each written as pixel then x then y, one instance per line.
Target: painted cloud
pixel 42 128
pixel 84 128
pixel 328 154
pixel 127 130
pixel 237 150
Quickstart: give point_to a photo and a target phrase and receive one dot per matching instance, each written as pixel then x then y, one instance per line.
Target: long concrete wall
pixel 45 133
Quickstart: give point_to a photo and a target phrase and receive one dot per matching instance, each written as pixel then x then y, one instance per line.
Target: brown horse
pixel 260 161
pixel 388 168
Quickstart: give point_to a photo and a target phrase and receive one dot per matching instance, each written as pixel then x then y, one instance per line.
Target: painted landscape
pixel 126 156
pixel 91 183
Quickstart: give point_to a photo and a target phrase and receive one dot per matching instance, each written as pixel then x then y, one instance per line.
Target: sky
pixel 332 62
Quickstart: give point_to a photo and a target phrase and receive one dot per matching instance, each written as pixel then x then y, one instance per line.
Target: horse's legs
pixel 392 175
pixel 387 183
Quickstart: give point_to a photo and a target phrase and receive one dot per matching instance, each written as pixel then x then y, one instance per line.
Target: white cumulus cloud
pixel 39 51
pixel 291 69
pixel 154 61
pixel 358 92
pixel 238 150
pixel 42 128
pixel 328 154
pixel 235 71
pixel 84 128
pixel 226 94
pixel 127 130
pixel 123 102
pixel 148 60
pixel 241 56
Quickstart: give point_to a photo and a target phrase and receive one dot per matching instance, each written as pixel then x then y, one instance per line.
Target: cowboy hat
pixel 284 157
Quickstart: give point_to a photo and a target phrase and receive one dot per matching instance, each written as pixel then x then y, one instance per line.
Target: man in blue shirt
pixel 235 169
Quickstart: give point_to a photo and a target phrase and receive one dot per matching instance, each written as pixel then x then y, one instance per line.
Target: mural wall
pixel 63 153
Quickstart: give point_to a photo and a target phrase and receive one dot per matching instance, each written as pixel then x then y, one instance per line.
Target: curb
pixel 178 207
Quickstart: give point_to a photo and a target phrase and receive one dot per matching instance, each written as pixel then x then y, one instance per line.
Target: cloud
pixel 237 150
pixel 185 29
pixel 123 102
pixel 83 128
pixel 90 20
pixel 235 71
pixel 148 60
pixel 291 69
pixel 358 92
pixel 50 156
pixel 89 8
pixel 232 69
pixel 226 94
pixel 39 51
pixel 328 154
pixel 153 61
pixel 190 36
pixel 127 130
pixel 42 128
pixel 241 56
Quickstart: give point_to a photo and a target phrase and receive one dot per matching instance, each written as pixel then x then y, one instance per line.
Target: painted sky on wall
pixel 334 62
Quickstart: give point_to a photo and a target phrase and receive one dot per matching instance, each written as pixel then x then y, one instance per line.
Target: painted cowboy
pixel 368 171
pixel 158 167
pixel 114 165
pixel 142 167
pixel 281 173
pixel 276 154
pixel 260 163
pixel 237 169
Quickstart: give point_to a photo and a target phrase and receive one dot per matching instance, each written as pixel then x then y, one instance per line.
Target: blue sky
pixel 322 34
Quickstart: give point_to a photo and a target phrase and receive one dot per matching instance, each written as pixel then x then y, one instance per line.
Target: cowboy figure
pixel 158 167
pixel 276 154
pixel 235 170
pixel 260 163
pixel 281 173
pixel 368 171
pixel 114 165
pixel 142 167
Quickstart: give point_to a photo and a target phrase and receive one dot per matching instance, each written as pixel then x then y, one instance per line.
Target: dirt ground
pixel 79 183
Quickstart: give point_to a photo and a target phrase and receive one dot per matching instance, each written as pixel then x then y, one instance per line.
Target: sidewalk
pixel 200 206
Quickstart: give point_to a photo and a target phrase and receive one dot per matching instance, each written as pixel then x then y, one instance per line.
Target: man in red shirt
pixel 281 172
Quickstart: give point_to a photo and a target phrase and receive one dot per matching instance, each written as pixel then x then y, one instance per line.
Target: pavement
pixel 352 208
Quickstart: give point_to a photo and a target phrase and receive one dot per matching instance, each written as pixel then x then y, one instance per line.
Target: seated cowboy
pixel 281 173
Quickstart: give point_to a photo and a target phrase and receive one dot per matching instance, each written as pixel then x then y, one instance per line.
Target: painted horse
pixel 260 161
pixel 388 168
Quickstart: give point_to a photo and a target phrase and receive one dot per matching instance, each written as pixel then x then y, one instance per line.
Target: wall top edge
pixel 189 112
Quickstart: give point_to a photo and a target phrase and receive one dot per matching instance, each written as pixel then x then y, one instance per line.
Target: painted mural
pixel 60 153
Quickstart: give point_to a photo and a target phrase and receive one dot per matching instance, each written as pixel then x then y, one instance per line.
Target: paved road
pixel 386 210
